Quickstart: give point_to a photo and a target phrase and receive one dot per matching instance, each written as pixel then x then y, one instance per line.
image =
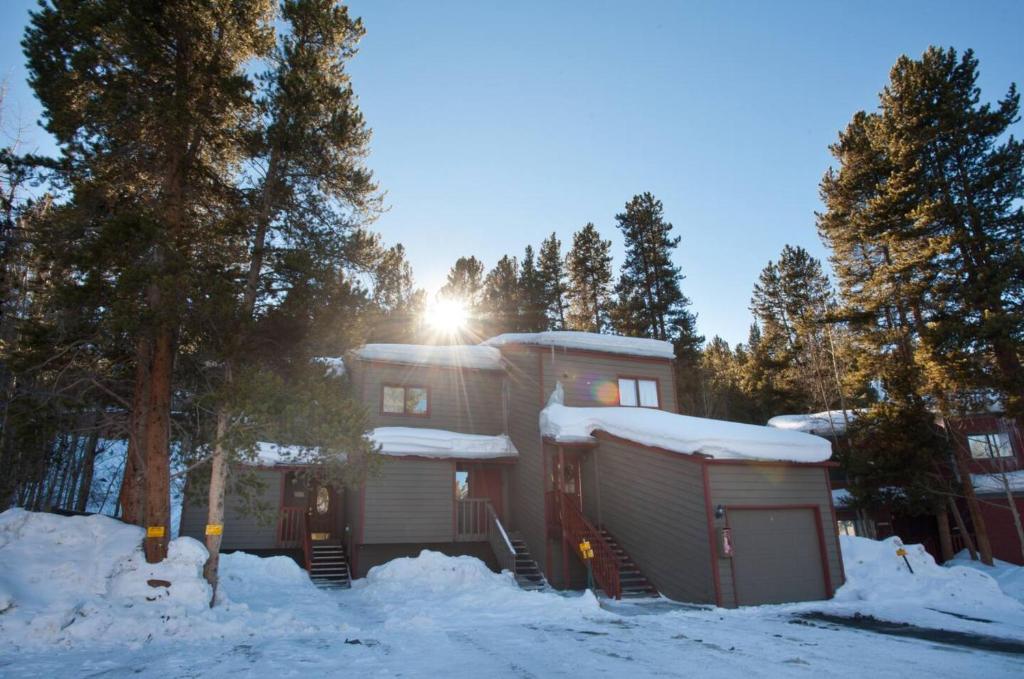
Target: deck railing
pixel 501 545
pixel 471 519
pixel 575 529
pixel 291 526
pixel 307 542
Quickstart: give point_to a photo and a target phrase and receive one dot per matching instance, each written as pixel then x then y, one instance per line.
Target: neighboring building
pixel 522 448
pixel 995 445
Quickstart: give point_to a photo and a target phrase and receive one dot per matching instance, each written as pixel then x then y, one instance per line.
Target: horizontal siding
pixel 241 531
pixel 410 501
pixel 751 484
pixel 653 504
pixel 467 401
pixel 586 378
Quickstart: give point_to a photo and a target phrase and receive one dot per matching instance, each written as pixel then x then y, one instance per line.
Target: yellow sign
pixel 154 531
pixel 901 552
pixel 319 536
pixel 215 529
pixel 585 551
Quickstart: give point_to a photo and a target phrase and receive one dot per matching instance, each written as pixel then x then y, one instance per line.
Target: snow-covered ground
pixel 74 602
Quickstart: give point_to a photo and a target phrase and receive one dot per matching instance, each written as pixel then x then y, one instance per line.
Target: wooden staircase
pixel 526 571
pixel 328 565
pixel 633 584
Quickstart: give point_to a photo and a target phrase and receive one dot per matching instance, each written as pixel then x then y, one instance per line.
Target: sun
pixel 447 316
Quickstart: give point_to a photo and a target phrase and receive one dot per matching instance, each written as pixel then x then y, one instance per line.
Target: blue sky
pixel 497 123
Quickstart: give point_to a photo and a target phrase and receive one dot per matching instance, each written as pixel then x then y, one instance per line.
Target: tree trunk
pixel 88 469
pixel 1013 511
pixel 980 530
pixel 134 475
pixel 968 541
pixel 215 511
pixel 945 536
pixel 157 447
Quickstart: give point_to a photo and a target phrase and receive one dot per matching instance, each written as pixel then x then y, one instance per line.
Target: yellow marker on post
pixel 154 531
pixel 902 552
pixel 214 529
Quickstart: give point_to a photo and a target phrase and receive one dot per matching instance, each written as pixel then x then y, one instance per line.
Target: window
pixel 984 446
pixel 634 392
pixel 404 401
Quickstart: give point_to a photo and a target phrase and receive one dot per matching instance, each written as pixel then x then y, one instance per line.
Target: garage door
pixel 776 556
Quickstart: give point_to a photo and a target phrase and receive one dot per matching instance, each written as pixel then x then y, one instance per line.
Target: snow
pixel 270 454
pixel 440 443
pixel 448 356
pixel 993 483
pixel 680 433
pixel 1009 577
pixel 76 608
pixel 587 341
pixel 335 365
pixel 841 497
pixel 824 423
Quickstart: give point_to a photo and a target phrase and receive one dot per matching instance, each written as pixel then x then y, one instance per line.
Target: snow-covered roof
pixel 587 341
pixel 440 443
pixel 335 365
pixel 993 483
pixel 841 497
pixel 448 356
pixel 681 433
pixel 822 424
pixel 270 454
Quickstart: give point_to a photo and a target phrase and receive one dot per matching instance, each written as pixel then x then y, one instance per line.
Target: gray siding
pixel 468 401
pixel 241 531
pixel 410 501
pixel 752 484
pixel 586 376
pixel 653 504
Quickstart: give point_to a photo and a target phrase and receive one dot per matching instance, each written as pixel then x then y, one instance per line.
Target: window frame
pixel 636 379
pixel 990 438
pixel 405 400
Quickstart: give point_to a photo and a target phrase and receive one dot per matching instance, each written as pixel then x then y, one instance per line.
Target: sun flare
pixel 447 316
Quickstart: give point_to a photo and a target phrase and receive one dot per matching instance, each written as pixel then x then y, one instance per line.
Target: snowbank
pixel 448 356
pixel 680 433
pixel 442 444
pixel 823 424
pixel 1010 577
pixel 993 483
pixel 587 341
pixel 879 583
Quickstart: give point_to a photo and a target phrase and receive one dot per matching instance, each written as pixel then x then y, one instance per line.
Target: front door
pixel 323 513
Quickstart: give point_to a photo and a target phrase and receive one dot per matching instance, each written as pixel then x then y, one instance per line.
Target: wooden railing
pixel 501 545
pixel 471 519
pixel 291 526
pixel 576 529
pixel 307 542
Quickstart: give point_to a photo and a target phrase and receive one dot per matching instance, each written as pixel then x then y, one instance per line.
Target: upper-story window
pixel 636 392
pixel 985 446
pixel 405 401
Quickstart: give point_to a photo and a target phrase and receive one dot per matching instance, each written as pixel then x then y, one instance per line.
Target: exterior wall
pixel 410 501
pixel 591 379
pixel 653 504
pixel 775 485
pixel 468 401
pixel 1002 532
pixel 241 531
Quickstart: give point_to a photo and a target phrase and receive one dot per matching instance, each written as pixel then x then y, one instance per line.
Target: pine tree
pixel 465 282
pixel 551 269
pixel 650 301
pixel 589 268
pixel 533 305
pixel 500 306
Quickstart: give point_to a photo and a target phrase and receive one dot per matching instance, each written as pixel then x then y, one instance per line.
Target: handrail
pixel 307 541
pixel 502 547
pixel 471 519
pixel 575 529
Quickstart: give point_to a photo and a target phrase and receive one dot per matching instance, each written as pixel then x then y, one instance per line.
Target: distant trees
pixel 589 268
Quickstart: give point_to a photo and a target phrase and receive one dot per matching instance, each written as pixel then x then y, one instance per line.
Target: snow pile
pixel 1010 577
pixel 993 483
pixel 587 341
pixel 879 583
pixel 447 356
pixel 680 433
pixel 827 423
pixel 440 443
pixel 436 573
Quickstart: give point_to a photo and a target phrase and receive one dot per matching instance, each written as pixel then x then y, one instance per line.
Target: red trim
pixel 361 532
pixel 637 379
pixel 773 463
pixel 835 526
pixel 712 543
pixel 455 501
pixel 822 551
pixel 543 469
pixel 405 401
pixel 280 507
pixel 373 361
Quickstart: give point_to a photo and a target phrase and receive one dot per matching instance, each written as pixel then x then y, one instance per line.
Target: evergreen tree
pixel 551 270
pixel 533 305
pixel 589 268
pixel 501 298
pixel 650 301
pixel 465 282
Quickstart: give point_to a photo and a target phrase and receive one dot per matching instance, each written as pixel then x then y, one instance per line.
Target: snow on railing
pixel 501 545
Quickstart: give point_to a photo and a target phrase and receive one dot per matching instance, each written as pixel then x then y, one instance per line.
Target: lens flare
pixel 447 316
